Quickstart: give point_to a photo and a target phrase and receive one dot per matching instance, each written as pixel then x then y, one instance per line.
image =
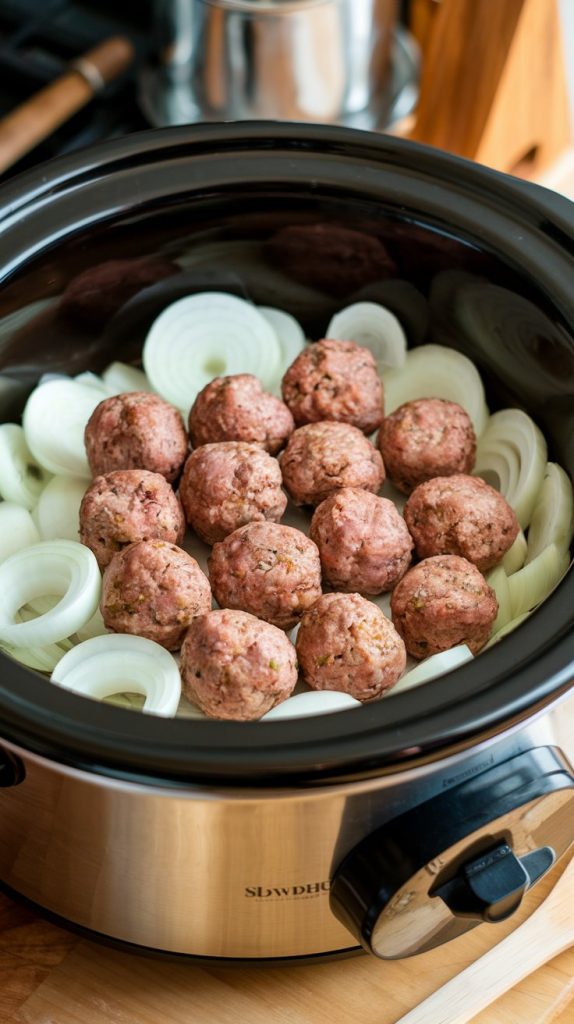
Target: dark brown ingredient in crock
pixel 235 666
pixel 236 408
pixel 461 515
pixel 346 643
pixel 269 570
pixel 321 458
pixel 226 485
pixel 442 602
pixel 363 541
pixel 335 259
pixel 125 506
pixel 426 438
pixel 136 430
pixel 155 590
pixel 335 380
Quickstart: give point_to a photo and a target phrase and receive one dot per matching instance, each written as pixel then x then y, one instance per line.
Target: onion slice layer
pixel 374 327
pixel 511 456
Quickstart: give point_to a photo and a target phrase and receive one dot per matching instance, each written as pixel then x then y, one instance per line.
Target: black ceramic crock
pixel 437 216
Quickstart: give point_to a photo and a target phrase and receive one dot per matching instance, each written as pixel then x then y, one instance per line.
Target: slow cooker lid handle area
pixel 466 856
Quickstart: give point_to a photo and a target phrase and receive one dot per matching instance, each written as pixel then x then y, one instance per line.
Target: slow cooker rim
pixel 383 743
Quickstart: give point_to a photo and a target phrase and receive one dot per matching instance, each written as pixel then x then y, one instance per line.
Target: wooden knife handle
pixel 39 116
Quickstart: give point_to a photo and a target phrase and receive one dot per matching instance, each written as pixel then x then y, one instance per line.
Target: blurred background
pixel 489 80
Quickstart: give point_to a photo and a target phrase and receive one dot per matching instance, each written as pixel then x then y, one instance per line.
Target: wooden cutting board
pixel 49 976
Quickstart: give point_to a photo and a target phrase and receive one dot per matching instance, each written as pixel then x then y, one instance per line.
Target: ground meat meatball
pixel 442 602
pixel 324 457
pixel 154 589
pixel 227 485
pixel 363 541
pixel 427 438
pixel 235 666
pixel 335 380
pixel 461 515
pixel 346 643
pixel 272 571
pixel 126 506
pixel 238 409
pixel 136 430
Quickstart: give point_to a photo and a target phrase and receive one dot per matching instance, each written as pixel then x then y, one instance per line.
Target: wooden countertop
pixel 49 976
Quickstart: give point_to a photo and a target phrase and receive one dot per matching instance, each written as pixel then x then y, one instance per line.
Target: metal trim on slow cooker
pixel 527 670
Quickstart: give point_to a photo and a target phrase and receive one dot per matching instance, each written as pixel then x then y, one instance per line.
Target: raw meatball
pixel 154 589
pixel 237 409
pixel 126 506
pixel 93 297
pixel 345 643
pixel 136 430
pixel 235 666
pixel 427 438
pixel 461 515
pixel 229 484
pixel 324 457
pixel 335 380
pixel 442 602
pixel 272 571
pixel 363 541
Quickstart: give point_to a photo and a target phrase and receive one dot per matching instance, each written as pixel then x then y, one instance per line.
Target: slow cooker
pixel 394 827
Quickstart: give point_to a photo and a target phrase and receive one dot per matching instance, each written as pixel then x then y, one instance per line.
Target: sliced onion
pixel 432 667
pixel 516 555
pixel 205 336
pixel 17 529
pixel 91 380
pixel 120 378
pixel 374 327
pixel 94 627
pixel 530 585
pixel 498 580
pixel 59 508
pixel 511 456
pixel 508 628
pixel 313 702
pixel 122 664
pixel 552 519
pixel 53 567
pixel 54 421
pixel 21 478
pixel 41 659
pixel 434 371
pixel 291 337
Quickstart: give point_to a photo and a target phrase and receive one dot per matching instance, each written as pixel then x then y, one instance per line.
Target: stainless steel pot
pixel 299 60
pixel 396 826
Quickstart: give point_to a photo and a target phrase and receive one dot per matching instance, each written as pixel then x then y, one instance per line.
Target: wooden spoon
pixel 548 932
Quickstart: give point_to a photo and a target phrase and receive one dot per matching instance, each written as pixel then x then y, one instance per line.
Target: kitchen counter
pixel 49 976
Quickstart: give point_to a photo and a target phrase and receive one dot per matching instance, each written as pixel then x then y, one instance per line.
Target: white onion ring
pixel 532 584
pixel 21 478
pixel 51 567
pixel 54 421
pixel 58 509
pixel 208 335
pixel 121 378
pixel 498 580
pixel 511 456
pixel 291 336
pixel 552 519
pixel 121 663
pixel 432 667
pixel 434 371
pixel 17 529
pixel 374 327
pixel 516 555
pixel 313 702
pixel 508 628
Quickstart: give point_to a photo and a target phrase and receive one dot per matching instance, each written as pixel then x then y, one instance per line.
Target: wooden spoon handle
pixel 499 970
pixel 39 116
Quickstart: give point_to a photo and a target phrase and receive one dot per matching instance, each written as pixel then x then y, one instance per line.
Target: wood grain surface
pixel 49 976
